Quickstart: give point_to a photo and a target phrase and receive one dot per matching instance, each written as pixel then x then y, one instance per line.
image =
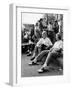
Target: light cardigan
pixel 58 45
pixel 45 41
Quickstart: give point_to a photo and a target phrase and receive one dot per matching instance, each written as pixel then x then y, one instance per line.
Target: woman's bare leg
pixel 50 54
pixel 46 63
pixel 40 56
pixel 47 60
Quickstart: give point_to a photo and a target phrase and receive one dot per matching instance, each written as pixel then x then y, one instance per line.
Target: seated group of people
pixel 48 45
pixel 36 35
pixel 45 48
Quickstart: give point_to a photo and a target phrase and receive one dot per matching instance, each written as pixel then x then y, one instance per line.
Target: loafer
pixel 29 54
pixel 42 70
pixel 33 63
pixel 32 58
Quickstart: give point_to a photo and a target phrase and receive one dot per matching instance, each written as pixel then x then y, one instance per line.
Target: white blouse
pixel 58 45
pixel 45 41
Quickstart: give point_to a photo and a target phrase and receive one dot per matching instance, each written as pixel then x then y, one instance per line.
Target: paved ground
pixel 31 71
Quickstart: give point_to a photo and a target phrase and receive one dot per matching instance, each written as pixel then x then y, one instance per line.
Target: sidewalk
pixel 31 71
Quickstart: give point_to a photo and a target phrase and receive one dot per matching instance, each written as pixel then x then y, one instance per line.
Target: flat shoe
pixel 33 63
pixel 29 54
pixel 32 58
pixel 42 70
